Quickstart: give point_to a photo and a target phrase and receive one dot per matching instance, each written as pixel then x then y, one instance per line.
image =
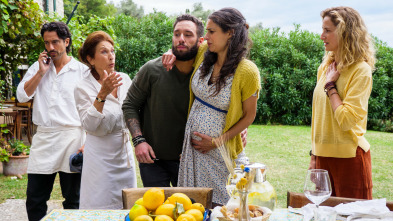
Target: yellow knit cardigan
pixel 246 82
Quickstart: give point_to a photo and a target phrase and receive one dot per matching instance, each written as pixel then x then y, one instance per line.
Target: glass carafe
pixel 262 193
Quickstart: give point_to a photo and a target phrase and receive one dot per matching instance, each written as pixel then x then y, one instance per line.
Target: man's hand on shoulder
pixel 144 153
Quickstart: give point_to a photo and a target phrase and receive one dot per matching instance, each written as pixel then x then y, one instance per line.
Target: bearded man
pixel 156 106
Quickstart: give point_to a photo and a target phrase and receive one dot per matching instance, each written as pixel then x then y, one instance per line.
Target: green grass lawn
pixel 285 151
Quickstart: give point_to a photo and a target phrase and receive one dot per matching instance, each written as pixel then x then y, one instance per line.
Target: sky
pixel 377 14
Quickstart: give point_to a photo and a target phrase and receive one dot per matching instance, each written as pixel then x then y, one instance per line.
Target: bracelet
pixel 138 140
pixel 310 153
pixel 213 143
pixel 330 83
pixel 327 90
pixel 332 94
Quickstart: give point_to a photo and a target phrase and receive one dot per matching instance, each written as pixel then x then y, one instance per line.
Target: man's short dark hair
pixel 61 29
pixel 187 17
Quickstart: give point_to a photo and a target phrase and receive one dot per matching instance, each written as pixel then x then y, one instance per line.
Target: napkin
pixel 308 211
pixel 365 210
pixel 368 210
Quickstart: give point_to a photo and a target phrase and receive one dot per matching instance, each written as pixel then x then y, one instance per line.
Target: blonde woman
pixel 340 104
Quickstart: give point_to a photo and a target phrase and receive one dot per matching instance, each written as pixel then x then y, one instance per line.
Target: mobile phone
pixel 47 61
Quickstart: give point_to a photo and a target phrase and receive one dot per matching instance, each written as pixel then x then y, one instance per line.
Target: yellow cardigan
pixel 246 82
pixel 337 134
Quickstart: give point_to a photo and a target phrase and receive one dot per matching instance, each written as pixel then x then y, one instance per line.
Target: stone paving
pixel 15 209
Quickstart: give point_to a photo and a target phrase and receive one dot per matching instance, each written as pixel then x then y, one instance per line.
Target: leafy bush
pixel 288 66
pixel 141 40
pixel 288 63
pixel 79 32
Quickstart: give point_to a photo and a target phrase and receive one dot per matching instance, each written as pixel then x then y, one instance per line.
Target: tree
pixel 199 12
pixel 88 8
pixel 20 24
pixel 128 7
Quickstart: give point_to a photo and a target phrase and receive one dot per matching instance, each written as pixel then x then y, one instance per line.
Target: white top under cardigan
pixel 59 132
pixel 108 160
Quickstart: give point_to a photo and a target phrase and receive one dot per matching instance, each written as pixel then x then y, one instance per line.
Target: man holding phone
pixel 51 82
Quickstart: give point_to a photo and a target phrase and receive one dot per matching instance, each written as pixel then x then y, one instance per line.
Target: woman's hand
pixel 204 145
pixel 109 83
pixel 332 74
pixel 168 60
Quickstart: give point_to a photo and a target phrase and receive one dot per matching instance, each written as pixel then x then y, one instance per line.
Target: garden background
pixel 287 62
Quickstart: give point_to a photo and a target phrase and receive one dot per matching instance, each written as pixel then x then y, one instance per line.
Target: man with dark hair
pixel 156 106
pixel 51 82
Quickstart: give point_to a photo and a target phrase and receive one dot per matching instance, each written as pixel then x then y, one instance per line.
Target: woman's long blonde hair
pixel 354 42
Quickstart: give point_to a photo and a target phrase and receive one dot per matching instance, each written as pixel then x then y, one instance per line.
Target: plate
pixel 127 218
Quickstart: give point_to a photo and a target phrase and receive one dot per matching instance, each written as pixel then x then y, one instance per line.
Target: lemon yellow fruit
pixel 186 217
pixel 143 218
pixel 139 201
pixel 165 209
pixel 163 218
pixel 181 198
pixel 153 198
pixel 198 206
pixel 166 201
pixel 198 215
pixel 137 210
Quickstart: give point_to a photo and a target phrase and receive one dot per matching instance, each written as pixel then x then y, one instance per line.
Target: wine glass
pixel 317 186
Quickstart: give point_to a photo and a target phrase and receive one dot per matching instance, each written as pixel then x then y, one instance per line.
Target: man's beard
pixel 187 55
pixel 57 55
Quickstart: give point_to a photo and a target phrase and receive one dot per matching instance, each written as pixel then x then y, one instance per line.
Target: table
pixel 98 215
pixel 88 215
pixel 18 122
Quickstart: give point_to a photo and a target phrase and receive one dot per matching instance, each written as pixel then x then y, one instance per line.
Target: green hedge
pixel 141 40
pixel 288 64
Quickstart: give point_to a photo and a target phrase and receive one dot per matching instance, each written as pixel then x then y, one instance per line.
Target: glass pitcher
pixel 262 193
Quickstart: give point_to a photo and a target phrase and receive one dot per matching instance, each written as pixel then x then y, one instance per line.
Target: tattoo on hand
pixel 134 127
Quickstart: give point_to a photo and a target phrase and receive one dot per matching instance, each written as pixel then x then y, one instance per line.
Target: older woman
pixel 225 88
pixel 108 164
pixel 340 102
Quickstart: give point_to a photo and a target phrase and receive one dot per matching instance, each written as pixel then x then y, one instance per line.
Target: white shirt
pixel 59 133
pixel 54 103
pixel 94 122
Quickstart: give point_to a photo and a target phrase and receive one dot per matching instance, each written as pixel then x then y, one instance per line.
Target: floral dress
pixel 206 170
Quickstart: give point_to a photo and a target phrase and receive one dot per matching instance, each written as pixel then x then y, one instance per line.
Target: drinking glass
pixel 317 186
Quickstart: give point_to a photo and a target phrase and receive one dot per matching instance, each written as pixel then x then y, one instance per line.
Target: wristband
pixel 100 100
pixel 138 140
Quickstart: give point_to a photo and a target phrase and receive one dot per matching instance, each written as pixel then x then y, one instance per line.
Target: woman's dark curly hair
pixel 229 19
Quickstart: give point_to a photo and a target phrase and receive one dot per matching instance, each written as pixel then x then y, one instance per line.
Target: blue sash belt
pixel 211 106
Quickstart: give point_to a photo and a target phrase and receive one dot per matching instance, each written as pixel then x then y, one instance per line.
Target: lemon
pixel 137 210
pixel 143 218
pixel 186 217
pixel 153 198
pixel 166 201
pixel 139 201
pixel 181 198
pixel 165 209
pixel 163 218
pixel 198 215
pixel 198 206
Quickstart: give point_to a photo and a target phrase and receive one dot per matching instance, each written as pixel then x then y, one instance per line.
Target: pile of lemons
pixel 153 206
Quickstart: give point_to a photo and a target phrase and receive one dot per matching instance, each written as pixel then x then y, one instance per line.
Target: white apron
pixel 107 169
pixel 51 149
